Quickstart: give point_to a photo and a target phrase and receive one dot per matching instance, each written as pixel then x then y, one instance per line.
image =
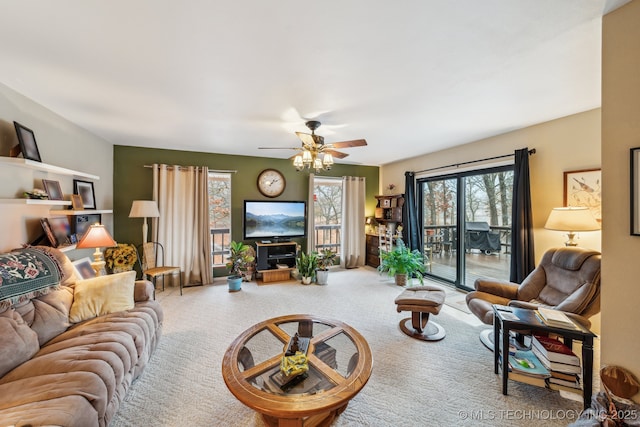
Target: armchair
pixel 566 279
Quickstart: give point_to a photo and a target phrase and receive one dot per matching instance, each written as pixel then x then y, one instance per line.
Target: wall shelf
pixel 31 164
pixel 36 202
pixel 82 212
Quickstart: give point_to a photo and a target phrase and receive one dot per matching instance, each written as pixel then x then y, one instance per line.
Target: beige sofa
pixel 69 348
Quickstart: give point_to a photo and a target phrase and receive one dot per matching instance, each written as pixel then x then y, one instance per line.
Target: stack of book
pixel 563 364
pixel 525 367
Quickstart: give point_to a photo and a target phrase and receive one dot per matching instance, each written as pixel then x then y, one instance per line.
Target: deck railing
pixel 220 239
pixel 328 237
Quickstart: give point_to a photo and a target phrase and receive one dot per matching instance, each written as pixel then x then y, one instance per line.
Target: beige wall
pixel 569 143
pixel 61 143
pixel 620 132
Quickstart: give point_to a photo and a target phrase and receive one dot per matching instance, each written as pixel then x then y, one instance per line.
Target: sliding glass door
pixel 466 221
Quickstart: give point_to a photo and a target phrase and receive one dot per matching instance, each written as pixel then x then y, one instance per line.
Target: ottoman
pixel 421 301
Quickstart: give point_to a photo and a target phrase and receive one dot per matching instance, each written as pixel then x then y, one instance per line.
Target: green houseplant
pixel 306 265
pixel 326 259
pixel 240 257
pixel 402 262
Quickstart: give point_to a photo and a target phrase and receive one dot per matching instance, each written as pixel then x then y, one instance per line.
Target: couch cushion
pixel 102 295
pixel 19 342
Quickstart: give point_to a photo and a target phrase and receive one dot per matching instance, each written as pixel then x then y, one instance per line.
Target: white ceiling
pixel 409 76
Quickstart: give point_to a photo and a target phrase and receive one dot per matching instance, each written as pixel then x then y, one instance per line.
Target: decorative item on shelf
pixel 53 189
pixel 61 230
pixel 571 220
pixel 402 263
pixel 307 264
pixel 239 259
pixel 76 202
pixel 326 259
pixel 390 188
pixel 36 193
pixel 26 144
pixel 144 209
pixel 120 258
pixel 97 236
pixel 86 191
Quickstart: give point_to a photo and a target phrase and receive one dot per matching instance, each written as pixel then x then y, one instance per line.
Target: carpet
pixel 414 383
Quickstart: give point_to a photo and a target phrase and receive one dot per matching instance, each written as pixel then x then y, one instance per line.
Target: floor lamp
pixel 144 209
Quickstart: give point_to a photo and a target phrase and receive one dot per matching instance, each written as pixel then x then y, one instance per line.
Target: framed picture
pixel 76 202
pixel 53 189
pixel 83 268
pixel 53 242
pixel 27 141
pixel 80 224
pixel 61 229
pixel 85 190
pixel 583 188
pixel 635 191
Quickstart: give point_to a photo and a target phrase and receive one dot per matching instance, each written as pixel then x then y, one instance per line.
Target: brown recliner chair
pixel 566 279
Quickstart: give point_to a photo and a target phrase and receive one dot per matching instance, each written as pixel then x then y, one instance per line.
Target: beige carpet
pixel 414 383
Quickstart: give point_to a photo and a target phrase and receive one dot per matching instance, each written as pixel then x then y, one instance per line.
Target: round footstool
pixel 421 301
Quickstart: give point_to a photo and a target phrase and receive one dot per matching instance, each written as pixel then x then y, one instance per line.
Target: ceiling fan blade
pixel 336 154
pixel 278 148
pixel 348 144
pixel 307 139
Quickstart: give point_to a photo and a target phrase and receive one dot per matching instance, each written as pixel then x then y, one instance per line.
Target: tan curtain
pixel 353 221
pixel 183 225
pixel 311 219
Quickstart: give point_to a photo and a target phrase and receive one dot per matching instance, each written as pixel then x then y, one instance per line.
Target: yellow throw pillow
pixel 102 295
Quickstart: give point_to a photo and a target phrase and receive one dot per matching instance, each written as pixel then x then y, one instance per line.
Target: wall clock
pixel 271 183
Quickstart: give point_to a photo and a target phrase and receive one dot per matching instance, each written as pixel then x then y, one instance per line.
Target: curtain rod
pixel 186 167
pixel 532 151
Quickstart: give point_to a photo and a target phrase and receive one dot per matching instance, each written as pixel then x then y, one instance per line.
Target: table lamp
pixel 570 220
pixel 97 237
pixel 144 209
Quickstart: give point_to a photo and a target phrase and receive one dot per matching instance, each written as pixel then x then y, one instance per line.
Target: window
pixel 220 216
pixel 327 210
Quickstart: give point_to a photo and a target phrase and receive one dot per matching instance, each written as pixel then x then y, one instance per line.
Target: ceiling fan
pixel 314 153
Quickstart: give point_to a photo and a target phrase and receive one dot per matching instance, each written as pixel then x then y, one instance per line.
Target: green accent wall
pixel 132 181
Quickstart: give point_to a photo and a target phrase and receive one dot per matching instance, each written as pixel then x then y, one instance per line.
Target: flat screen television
pixel 271 219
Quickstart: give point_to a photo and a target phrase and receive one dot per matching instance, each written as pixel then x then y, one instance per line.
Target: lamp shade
pixel 144 209
pixel 571 219
pixel 97 236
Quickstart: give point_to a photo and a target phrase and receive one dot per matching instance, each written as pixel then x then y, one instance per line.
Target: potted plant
pixel 250 265
pixel 402 262
pixel 307 264
pixel 239 258
pixel 325 260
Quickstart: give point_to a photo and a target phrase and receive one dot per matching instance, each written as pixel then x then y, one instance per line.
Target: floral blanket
pixel 25 274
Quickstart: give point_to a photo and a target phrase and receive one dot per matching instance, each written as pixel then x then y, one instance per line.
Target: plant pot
pixel 322 276
pixel 234 283
pixel 306 280
pixel 401 279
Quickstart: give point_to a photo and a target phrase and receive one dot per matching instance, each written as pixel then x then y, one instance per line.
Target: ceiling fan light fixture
pixel 297 162
pixel 307 158
pixel 327 160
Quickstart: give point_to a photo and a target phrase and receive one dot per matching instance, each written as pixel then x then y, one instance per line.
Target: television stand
pixel 275 260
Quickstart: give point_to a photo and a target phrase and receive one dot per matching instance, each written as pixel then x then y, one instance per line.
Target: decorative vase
pixel 401 279
pixel 234 283
pixel 306 280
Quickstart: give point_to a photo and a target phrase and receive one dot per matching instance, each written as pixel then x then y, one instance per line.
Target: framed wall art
pixel 27 142
pixel 86 192
pixel 634 172
pixel 53 242
pixel 53 189
pixel 584 188
pixel 83 268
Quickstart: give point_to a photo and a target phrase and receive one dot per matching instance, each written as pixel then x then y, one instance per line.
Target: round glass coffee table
pixel 339 360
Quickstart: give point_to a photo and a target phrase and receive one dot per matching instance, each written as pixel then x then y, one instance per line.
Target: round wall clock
pixel 271 183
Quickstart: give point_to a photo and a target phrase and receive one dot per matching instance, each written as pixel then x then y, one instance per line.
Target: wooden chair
pixel 153 266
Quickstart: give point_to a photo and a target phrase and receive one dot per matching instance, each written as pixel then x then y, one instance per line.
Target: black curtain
pixel 411 233
pixel 522 254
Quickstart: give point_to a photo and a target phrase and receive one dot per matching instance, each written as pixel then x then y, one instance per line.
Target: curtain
pixel 522 253
pixel 183 226
pixel 311 220
pixel 352 238
pixel 411 234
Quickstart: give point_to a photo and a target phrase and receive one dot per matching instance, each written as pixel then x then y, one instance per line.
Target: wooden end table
pixel 340 365
pixel 528 320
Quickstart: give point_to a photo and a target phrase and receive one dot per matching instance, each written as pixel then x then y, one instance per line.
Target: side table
pixel 527 320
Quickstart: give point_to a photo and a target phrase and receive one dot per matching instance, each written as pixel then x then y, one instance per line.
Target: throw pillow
pixel 102 295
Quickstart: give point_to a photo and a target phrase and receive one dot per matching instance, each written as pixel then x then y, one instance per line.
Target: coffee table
pixel 340 365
